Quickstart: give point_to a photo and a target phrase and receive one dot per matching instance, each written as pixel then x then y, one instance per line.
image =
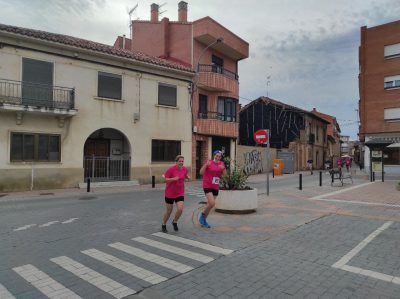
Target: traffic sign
pixel 261 136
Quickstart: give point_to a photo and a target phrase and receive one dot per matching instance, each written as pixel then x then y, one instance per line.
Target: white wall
pixel 139 94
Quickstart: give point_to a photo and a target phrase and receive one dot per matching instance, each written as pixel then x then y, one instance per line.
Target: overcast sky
pixel 302 52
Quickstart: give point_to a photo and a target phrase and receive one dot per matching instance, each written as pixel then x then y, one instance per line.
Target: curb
pixel 147 294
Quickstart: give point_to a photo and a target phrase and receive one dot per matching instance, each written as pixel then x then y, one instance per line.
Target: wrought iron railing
pixel 104 169
pixel 217 69
pixel 210 115
pixel 216 115
pixel 34 94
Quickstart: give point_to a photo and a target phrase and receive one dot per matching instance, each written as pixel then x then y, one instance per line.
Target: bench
pixel 337 174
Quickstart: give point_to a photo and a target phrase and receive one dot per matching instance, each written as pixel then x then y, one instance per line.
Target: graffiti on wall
pixel 252 162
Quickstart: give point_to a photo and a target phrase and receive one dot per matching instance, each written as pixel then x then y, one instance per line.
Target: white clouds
pixel 308 47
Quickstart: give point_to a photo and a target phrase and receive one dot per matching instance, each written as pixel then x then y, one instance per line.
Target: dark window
pixel 202 106
pixel 217 64
pixel 109 86
pixel 217 61
pixel 165 150
pixel 37 82
pixel 166 95
pixel 35 147
pixel 392 155
pixel 226 109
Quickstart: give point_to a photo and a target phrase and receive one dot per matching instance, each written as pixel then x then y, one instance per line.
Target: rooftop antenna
pixel 269 80
pixel 130 12
pixel 268 83
pixel 161 12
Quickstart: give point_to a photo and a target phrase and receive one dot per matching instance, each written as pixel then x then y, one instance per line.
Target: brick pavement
pixel 378 192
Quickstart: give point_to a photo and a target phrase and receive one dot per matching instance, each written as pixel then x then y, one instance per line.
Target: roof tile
pixel 91 45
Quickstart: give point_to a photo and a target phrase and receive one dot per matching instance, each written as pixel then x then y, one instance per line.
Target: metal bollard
pixel 373 176
pixel 153 181
pixel 88 185
pixel 300 181
pixel 320 178
pixel 273 172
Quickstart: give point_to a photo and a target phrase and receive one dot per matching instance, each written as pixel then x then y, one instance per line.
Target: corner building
pixel 214 53
pixel 379 87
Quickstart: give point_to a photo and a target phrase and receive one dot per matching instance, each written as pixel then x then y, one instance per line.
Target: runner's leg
pixel 210 203
pixel 167 212
pixel 179 210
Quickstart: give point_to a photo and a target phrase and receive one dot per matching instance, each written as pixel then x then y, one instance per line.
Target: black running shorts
pixel 172 200
pixel 209 190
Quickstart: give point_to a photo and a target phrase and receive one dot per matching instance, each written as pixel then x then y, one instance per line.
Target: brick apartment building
pixel 379 87
pixel 214 52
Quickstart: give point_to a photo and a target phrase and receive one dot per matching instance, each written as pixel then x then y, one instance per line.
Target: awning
pixel 382 141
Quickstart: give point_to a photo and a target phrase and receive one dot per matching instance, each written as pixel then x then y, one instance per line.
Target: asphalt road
pixel 106 245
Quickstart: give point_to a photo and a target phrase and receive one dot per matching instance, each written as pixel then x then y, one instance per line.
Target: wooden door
pixel 100 150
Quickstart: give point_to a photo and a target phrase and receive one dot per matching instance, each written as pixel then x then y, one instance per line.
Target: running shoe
pixel 202 218
pixel 175 225
pixel 206 225
pixel 203 221
pixel 164 228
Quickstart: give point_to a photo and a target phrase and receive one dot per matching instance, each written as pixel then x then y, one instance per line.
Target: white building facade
pixel 72 109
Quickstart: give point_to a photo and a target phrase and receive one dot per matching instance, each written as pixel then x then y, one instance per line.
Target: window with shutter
pixel 167 95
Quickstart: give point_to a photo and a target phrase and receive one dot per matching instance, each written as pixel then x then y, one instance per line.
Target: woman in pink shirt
pixel 211 171
pixel 174 192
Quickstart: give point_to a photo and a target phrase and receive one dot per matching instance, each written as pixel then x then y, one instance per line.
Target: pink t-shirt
pixel 175 189
pixel 212 175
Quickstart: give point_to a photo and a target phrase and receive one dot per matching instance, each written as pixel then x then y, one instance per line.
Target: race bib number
pixel 215 180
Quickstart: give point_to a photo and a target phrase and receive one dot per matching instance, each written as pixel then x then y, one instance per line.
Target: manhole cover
pixel 87 197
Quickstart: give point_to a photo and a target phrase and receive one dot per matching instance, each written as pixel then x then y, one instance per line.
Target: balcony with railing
pixel 217 78
pixel 215 123
pixel 40 98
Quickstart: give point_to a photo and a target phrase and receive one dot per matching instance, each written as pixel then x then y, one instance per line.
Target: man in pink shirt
pixel 211 171
pixel 174 192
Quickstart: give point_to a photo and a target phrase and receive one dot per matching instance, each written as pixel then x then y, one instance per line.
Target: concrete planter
pixel 237 201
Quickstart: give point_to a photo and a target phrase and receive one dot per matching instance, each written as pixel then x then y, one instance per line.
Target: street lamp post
pixel 196 78
pixel 218 40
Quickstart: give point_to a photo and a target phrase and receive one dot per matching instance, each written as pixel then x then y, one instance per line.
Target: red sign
pixel 261 136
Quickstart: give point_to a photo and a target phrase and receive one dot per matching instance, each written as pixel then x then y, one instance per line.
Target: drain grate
pixel 46 193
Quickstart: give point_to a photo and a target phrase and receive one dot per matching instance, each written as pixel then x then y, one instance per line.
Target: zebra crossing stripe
pixel 44 283
pixel 194 243
pixel 100 281
pixel 176 250
pixel 24 227
pixel 49 223
pixel 154 258
pixel 69 220
pixel 5 294
pixel 125 266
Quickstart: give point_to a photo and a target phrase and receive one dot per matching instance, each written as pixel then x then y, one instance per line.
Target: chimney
pixel 154 13
pixel 182 12
pixel 314 110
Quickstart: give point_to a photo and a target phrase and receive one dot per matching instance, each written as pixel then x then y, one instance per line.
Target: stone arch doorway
pixel 107 156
